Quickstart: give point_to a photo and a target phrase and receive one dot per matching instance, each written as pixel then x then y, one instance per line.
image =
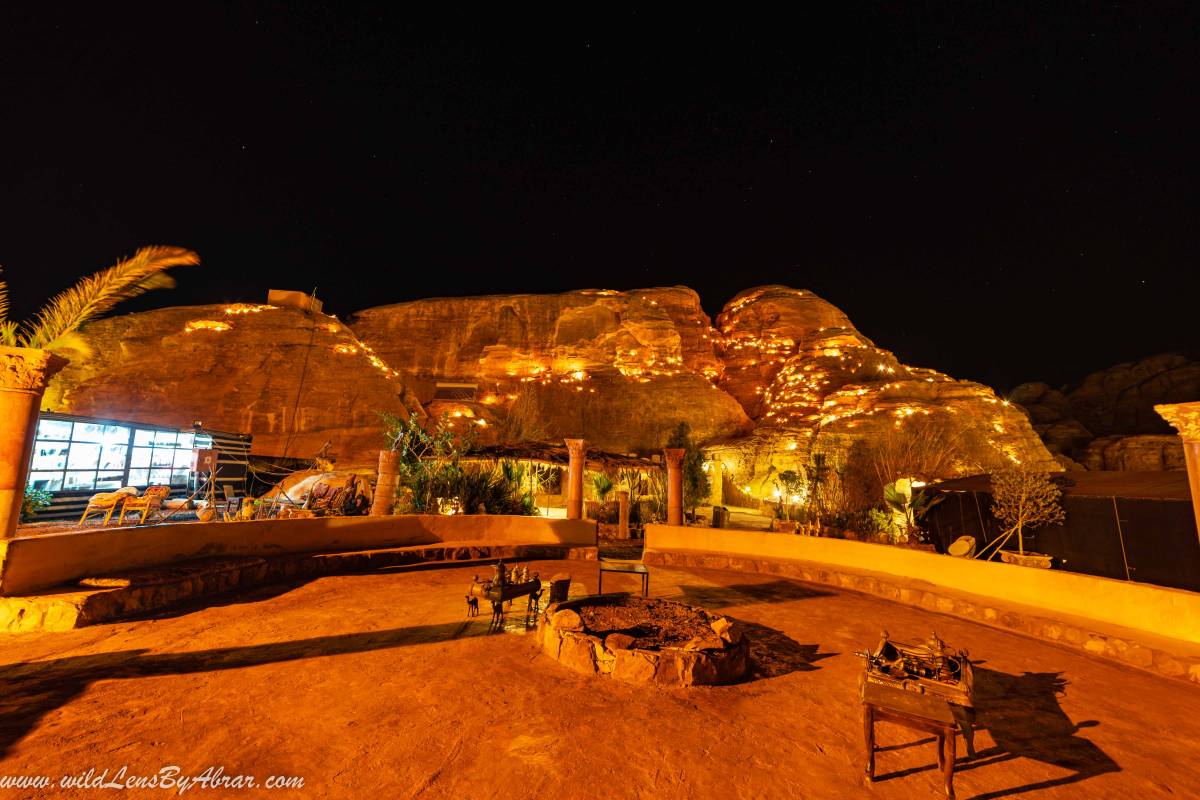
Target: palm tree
pixel 55 326
pixel 28 358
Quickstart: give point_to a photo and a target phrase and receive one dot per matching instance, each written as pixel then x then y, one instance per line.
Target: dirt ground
pixel 377 686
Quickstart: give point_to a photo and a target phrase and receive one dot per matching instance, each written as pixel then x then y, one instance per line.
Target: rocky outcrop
pixel 1116 405
pixel 293 380
pixel 1135 453
pixel 1121 399
pixel 784 375
pixel 620 369
pixel 814 384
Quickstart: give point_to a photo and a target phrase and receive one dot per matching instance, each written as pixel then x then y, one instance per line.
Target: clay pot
pixel 1039 560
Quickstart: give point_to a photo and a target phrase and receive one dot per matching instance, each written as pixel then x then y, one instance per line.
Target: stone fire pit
pixel 647 640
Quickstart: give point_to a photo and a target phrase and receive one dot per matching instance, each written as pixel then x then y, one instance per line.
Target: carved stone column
pixel 388 479
pixel 1186 419
pixel 622 515
pixel 24 374
pixel 674 457
pixel 577 449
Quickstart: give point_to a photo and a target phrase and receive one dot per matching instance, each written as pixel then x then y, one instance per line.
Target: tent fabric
pixel 1136 526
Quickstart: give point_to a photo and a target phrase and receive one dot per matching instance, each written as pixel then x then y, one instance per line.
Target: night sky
pixel 1003 197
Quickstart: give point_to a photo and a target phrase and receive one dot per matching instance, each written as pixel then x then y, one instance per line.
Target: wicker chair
pixel 151 500
pixel 106 503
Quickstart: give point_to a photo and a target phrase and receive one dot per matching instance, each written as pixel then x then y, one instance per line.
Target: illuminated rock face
pixel 814 384
pixel 620 369
pixel 236 368
pixel 782 376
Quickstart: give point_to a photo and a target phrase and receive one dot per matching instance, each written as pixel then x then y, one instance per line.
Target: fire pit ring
pixel 644 640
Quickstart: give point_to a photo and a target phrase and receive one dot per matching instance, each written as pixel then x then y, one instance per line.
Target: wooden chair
pixel 150 500
pixel 106 503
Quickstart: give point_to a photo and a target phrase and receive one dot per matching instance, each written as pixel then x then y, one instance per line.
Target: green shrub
pixel 34 501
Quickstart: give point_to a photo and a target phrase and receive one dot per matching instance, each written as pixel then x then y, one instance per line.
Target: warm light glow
pixel 247 308
pixel 206 325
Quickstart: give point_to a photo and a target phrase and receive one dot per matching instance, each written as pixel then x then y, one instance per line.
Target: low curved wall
pixel 1155 610
pixel 37 562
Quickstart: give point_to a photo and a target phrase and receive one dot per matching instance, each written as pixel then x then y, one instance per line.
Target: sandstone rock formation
pixel 1113 404
pixel 617 368
pixel 292 380
pixel 785 376
pixel 814 384
pixel 1135 453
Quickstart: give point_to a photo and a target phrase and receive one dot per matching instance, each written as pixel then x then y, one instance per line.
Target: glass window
pixel 186 440
pixel 167 438
pixel 160 477
pixel 143 437
pixel 88 432
pixel 162 457
pixel 139 477
pixel 113 457
pixel 183 459
pixel 50 455
pixel 53 429
pixel 109 480
pixel 141 457
pixel 79 480
pixel 83 456
pixel 115 434
pixel 179 477
pixel 50 481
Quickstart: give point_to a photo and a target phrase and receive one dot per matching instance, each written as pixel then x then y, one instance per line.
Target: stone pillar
pixel 674 457
pixel 622 515
pixel 384 499
pixel 577 449
pixel 24 373
pixel 1186 419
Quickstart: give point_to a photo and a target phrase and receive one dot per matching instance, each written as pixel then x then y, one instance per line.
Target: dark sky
pixel 1002 196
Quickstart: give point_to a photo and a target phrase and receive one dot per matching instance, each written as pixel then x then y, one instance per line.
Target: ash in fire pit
pixel 647 640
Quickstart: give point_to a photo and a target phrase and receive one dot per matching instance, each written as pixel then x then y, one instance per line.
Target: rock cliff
pixel 782 375
pixel 1108 421
pixel 293 380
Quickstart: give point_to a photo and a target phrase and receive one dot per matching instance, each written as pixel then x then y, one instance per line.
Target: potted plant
pixel 29 355
pixel 1024 498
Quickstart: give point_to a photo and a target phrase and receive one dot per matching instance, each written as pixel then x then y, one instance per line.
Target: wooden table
pixel 628 567
pixel 920 712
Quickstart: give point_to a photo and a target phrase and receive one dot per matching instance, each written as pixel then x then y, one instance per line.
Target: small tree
pixel 791 484
pixel 695 480
pixel 1025 498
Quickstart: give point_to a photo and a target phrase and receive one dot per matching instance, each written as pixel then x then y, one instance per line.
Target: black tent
pixel 1127 525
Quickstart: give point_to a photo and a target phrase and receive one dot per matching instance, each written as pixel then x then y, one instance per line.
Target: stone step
pixel 106 598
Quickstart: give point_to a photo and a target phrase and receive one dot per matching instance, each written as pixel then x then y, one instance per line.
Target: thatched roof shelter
pixel 556 455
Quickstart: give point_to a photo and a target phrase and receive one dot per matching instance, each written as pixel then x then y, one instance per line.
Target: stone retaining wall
pixel 108 598
pixel 1131 649
pixel 33 563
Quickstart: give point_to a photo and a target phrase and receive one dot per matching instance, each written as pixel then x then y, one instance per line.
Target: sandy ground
pixel 377 686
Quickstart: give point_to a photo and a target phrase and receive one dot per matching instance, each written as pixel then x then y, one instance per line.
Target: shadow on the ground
pixel 741 594
pixel 773 653
pixel 231 598
pixel 1023 716
pixel 33 689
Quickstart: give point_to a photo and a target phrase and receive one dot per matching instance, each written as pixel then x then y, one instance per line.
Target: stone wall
pixel 31 563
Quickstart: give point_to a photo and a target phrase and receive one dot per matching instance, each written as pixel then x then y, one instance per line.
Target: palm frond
pixel 98 293
pixel 8 333
pixel 3 299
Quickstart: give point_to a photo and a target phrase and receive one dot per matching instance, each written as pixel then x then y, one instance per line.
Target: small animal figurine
pixel 535 599
pixel 497 612
pixel 472 606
